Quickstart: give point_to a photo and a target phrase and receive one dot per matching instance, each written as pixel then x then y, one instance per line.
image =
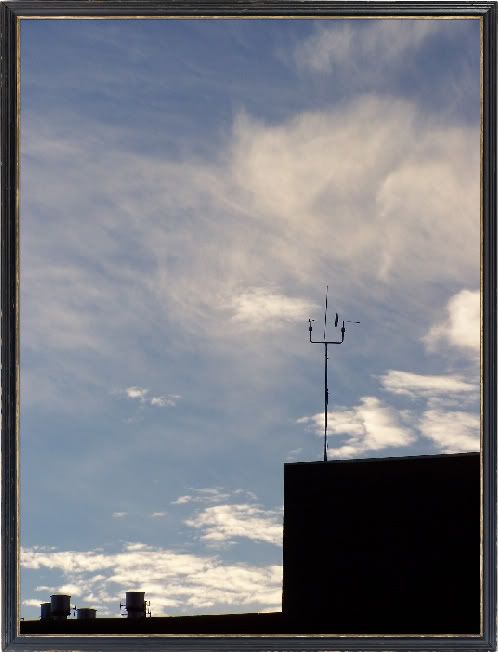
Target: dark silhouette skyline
pixel 371 546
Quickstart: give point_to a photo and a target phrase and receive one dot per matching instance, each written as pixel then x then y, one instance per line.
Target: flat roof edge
pixel 390 458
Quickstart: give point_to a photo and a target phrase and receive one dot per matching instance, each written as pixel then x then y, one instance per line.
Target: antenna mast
pixel 326 342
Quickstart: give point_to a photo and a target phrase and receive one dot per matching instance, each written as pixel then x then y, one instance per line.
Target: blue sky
pixel 188 189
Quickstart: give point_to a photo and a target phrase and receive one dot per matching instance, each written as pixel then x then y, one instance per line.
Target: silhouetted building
pixel 383 545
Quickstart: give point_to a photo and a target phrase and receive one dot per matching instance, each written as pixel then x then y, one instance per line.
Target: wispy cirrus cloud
pixel 263 308
pixel 269 192
pixel 349 47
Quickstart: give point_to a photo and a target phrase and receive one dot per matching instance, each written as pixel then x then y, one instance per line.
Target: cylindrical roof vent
pixel 46 610
pixel 85 613
pixel 60 606
pixel 135 604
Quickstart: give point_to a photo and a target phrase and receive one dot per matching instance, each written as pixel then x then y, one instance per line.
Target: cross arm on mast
pixel 343 330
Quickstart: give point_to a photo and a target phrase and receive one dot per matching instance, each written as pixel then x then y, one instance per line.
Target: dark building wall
pixel 383 545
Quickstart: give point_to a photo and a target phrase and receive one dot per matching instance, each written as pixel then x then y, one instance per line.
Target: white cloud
pixel 260 232
pixel 213 495
pixel 269 196
pixel 444 421
pixel 452 431
pixel 289 175
pixel 368 426
pixel 182 500
pixel 119 514
pixel 461 325
pixel 158 514
pixel 31 602
pixel 181 582
pixel 226 523
pixel 162 401
pixel 140 393
pixel 262 308
pixel 136 392
pixel 133 547
pixel 380 45
pixel 425 385
pixel 69 589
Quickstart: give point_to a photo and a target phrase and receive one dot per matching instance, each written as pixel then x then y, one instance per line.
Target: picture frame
pixel 12 14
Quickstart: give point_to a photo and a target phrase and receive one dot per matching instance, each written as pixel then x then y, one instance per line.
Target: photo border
pixel 11 13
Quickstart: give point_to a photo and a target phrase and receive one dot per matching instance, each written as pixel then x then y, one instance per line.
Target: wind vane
pixel 326 343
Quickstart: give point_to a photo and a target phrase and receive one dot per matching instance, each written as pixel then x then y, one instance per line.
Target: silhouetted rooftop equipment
pixel 85 613
pixel 326 343
pixel 45 610
pixel 60 606
pixel 135 605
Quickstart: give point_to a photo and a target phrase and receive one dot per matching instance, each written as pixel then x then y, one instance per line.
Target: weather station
pixel 326 343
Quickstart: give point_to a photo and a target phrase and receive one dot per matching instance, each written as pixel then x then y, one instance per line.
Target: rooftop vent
pixel 85 613
pixel 135 605
pixel 45 610
pixel 60 606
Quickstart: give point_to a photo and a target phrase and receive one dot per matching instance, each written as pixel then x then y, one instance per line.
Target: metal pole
pixel 326 407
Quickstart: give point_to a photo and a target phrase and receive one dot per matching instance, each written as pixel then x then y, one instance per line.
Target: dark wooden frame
pixel 11 12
